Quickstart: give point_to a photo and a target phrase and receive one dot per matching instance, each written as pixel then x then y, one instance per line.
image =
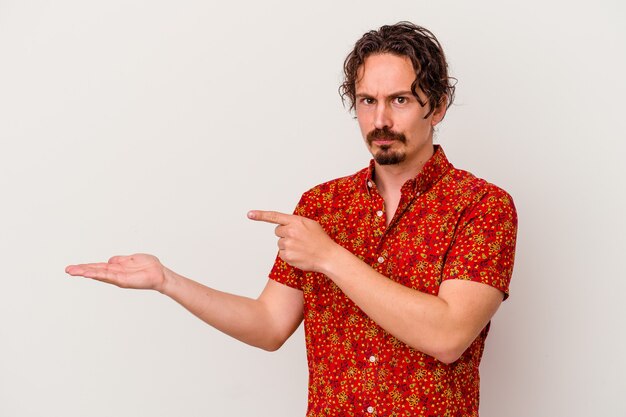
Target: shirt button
pixel 379 213
pixel 372 358
pixel 369 184
pixel 370 409
pixel 381 259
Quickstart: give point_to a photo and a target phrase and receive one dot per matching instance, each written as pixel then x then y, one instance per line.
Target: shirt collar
pixel 431 172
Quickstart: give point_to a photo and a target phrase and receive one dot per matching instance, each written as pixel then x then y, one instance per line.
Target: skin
pixel 442 326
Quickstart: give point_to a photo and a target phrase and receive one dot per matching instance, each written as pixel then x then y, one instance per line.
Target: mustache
pixel 385 134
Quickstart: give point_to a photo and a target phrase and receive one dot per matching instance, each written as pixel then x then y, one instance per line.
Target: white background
pixel 154 126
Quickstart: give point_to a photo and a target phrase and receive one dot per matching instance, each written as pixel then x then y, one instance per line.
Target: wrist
pixel 328 263
pixel 169 280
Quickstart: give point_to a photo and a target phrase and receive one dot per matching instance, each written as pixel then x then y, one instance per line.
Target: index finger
pixel 274 217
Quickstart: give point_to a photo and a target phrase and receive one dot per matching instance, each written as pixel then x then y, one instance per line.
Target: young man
pixel 396 270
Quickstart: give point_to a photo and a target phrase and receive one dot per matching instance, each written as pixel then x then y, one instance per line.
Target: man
pixel 396 270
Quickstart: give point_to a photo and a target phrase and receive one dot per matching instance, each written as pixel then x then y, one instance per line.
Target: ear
pixel 440 111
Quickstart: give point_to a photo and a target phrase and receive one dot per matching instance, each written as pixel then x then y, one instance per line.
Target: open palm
pixel 141 271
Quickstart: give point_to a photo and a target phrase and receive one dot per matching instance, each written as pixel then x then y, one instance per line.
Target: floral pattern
pixel 448 225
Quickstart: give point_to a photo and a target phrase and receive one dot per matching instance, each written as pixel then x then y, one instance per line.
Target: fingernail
pixel 251 215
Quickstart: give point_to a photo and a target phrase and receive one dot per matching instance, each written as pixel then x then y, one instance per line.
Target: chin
pixel 389 158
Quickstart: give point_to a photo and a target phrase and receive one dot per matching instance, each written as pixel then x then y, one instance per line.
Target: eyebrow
pixel 395 94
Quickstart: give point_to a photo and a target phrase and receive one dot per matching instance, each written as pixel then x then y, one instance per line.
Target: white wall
pixel 154 126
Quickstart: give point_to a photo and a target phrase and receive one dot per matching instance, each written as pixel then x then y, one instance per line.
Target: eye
pixel 367 100
pixel 401 100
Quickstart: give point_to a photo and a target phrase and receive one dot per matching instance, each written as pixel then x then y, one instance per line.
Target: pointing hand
pixel 302 242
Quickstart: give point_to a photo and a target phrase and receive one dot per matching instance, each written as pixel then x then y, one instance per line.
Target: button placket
pixel 378 226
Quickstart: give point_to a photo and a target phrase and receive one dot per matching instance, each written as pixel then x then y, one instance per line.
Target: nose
pixel 382 117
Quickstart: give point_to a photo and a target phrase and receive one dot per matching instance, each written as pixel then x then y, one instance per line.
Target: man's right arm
pixel 265 322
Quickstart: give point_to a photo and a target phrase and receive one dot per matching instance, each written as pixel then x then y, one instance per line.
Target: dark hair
pixel 416 43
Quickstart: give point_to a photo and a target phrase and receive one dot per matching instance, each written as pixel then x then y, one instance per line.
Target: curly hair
pixel 414 42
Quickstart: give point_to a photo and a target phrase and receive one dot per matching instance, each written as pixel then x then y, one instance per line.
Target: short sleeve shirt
pixel 449 224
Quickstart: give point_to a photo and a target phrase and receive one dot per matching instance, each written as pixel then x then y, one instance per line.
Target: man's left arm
pixel 442 325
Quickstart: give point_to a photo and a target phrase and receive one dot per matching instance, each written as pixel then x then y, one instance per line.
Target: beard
pixel 385 155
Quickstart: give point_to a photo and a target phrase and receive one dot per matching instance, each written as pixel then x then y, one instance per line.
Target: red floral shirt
pixel 448 225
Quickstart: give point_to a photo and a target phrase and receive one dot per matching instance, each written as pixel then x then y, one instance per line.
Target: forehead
pixel 384 73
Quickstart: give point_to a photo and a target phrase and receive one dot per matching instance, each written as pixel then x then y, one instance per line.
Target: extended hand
pixel 302 242
pixel 139 271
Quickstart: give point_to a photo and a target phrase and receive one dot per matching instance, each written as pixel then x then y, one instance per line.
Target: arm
pixel 442 326
pixel 265 322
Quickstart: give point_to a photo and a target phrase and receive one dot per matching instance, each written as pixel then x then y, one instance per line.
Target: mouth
pixel 384 137
pixel 380 142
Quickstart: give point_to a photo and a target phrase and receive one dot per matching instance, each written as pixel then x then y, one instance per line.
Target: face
pixel 390 117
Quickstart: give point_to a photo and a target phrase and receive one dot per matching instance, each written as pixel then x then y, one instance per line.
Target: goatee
pixel 386 156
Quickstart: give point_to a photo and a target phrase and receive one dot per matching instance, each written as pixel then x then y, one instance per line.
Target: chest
pixel 408 247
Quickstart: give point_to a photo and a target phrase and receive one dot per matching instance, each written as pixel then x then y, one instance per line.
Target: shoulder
pixel 330 194
pixel 474 191
pixel 340 185
pixel 480 202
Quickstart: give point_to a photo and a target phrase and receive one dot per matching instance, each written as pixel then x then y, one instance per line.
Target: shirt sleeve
pixel 484 247
pixel 283 272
